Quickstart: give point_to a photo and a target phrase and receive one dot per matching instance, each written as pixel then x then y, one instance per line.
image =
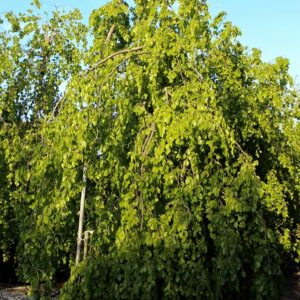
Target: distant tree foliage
pixel 191 144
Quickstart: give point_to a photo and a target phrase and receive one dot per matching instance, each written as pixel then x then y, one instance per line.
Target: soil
pixel 14 293
pixel 19 293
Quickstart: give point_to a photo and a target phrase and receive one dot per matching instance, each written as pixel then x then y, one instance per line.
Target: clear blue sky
pixel 270 25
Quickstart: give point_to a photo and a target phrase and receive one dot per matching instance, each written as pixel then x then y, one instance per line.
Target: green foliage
pixel 196 191
pixel 38 57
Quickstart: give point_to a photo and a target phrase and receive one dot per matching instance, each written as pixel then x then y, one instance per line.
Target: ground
pixel 17 293
pixel 14 293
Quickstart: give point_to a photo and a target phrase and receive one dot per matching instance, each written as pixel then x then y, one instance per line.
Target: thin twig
pixel 240 148
pixel 55 107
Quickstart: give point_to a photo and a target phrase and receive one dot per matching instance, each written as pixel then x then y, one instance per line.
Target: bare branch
pixel 111 31
pixel 240 148
pixel 102 61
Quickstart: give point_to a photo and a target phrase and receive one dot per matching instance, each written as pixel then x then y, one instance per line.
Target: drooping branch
pixel 123 51
pixel 117 66
pixel 148 140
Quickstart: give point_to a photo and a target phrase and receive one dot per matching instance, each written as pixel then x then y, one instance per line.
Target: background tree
pixel 39 55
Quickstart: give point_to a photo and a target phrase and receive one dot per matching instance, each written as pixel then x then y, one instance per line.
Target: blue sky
pixel 270 25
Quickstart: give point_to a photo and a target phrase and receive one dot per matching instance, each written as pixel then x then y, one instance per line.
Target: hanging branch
pixel 123 51
pixel 102 61
pixel 148 139
pixel 144 153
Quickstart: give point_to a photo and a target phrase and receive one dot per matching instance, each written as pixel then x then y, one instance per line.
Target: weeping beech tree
pixel 191 146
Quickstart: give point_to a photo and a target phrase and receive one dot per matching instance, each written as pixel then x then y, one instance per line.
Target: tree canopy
pixel 191 144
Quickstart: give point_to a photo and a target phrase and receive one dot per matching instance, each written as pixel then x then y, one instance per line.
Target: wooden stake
pixel 81 214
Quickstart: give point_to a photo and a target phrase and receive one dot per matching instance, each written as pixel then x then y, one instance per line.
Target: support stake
pixel 81 214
